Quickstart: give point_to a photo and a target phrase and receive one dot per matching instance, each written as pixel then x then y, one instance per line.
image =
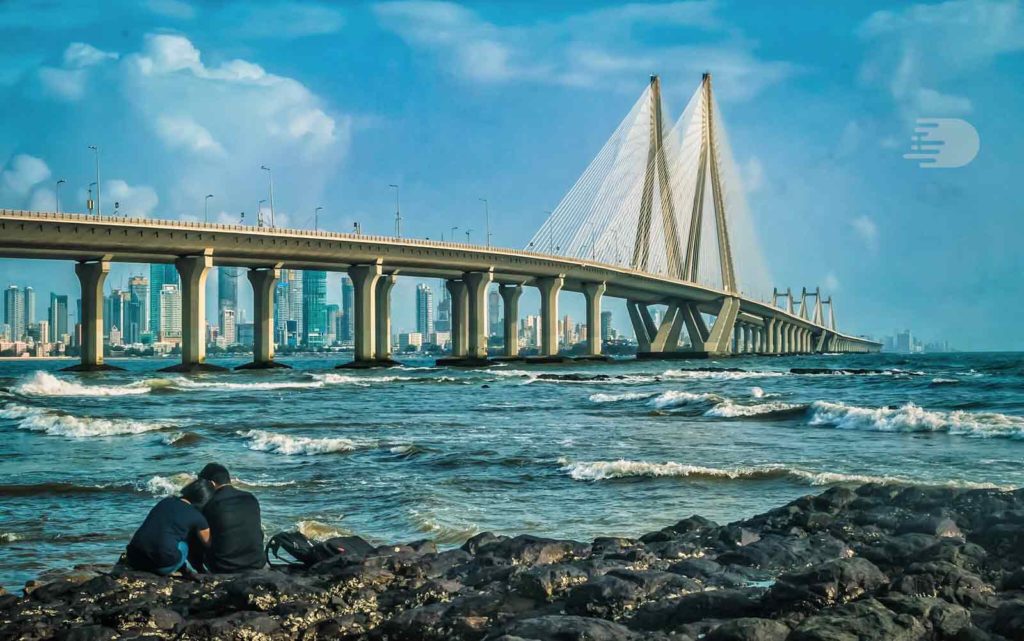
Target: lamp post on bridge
pixel 57 189
pixel 259 212
pixel 90 203
pixel 454 229
pixel 316 214
pixel 270 177
pixel 487 222
pixel 206 208
pixel 96 150
pixel 398 212
pixel 468 231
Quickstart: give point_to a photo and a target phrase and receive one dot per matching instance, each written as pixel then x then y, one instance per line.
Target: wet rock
pixel 749 629
pixel 568 628
pixel 866 620
pixel 825 585
pixel 712 604
pixel 531 550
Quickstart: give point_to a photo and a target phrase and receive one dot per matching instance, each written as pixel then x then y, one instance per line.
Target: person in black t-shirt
pixel 160 545
pixel 235 526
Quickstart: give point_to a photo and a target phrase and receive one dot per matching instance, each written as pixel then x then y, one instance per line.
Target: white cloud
pixel 80 54
pixel 752 175
pixel 915 51
pixel 166 53
pixel 22 173
pixel 595 48
pixel 63 84
pixel 184 133
pixel 866 228
pixel 138 201
pixel 831 283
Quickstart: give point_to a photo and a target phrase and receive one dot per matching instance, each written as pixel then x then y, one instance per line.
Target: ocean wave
pixel 442 532
pixel 60 424
pixel 59 488
pixel 46 384
pixel 262 441
pixel 730 409
pixel 621 469
pixel 182 383
pixel 9 537
pixel 720 374
pixel 616 398
pixel 912 418
pixel 939 380
pixel 319 531
pixel 677 398
pixel 172 484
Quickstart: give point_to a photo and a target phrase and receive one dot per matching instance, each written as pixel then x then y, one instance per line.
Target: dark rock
pixel 568 628
pixel 749 630
pixel 866 620
pixel 1009 620
pixel 531 550
pixel 825 585
pixel 712 604
pixel 544 582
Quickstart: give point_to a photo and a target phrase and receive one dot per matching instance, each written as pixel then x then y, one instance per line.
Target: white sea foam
pixel 168 485
pixel 59 424
pixel 287 445
pixel 319 531
pixel 604 470
pixel 602 397
pixel 730 409
pixel 912 418
pixel 46 384
pixel 719 374
pixel 349 379
pixel 189 384
pixel 757 392
pixel 9 537
pixel 678 398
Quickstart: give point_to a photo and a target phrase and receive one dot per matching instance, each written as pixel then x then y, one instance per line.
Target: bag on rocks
pixel 307 553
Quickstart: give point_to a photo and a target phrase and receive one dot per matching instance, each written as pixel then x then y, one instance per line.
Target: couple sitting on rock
pixel 211 526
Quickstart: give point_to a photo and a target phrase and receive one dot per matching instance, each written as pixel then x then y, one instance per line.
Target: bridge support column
pixel 476 290
pixel 549 288
pixel 594 292
pixel 748 340
pixel 91 276
pixel 768 346
pixel 192 272
pixel 364 307
pixel 382 331
pixel 643 325
pixel 460 317
pixel 263 281
pixel 510 302
pixel 807 341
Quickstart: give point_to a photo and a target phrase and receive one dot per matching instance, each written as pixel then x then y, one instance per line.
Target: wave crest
pixel 912 418
pixel 679 398
pixel 263 441
pixel 602 397
pixel 59 424
pixel 46 384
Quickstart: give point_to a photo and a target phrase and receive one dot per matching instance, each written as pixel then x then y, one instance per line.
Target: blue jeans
pixel 171 569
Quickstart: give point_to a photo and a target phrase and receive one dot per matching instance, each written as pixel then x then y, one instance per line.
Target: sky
pixel 509 101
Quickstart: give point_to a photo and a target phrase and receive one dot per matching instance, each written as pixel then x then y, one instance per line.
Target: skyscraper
pixel 295 301
pixel 444 312
pixel 493 313
pixel 281 309
pixel 159 275
pixel 58 316
pixel 314 308
pixel 30 307
pixel 424 309
pixel 14 311
pixel 227 289
pixel 115 311
pixel 170 312
pixel 138 292
pixel 606 326
pixel 228 327
pixel 333 315
pixel 347 310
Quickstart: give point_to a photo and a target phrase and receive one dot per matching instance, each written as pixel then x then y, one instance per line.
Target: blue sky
pixel 510 101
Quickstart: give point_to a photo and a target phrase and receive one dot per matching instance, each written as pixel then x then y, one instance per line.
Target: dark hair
pixel 198 492
pixel 215 472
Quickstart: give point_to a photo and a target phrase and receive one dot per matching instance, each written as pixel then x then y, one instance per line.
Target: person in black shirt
pixel 160 544
pixel 235 526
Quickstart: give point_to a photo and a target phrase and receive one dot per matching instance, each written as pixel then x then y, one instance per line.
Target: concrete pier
pixel 91 276
pixel 510 301
pixel 549 288
pixel 594 292
pixel 263 281
pixel 192 272
pixel 364 307
pixel 382 318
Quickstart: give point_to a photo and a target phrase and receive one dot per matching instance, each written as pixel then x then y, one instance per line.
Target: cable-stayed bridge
pixel 657 219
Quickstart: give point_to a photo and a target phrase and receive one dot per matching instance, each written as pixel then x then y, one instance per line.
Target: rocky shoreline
pixel 874 562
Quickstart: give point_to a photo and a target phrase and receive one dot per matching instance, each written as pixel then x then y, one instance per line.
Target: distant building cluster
pixel 904 342
pixel 145 318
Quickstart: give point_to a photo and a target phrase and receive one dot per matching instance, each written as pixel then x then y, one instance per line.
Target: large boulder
pixel 825 585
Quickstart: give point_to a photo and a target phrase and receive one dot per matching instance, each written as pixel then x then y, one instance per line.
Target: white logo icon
pixel 943 143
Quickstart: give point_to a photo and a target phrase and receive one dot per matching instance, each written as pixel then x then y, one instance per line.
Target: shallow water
pixel 422 452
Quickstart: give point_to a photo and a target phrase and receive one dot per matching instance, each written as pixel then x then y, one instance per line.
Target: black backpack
pixel 307 553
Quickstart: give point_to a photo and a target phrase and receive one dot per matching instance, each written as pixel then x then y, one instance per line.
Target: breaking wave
pixel 46 384
pixel 677 398
pixel 319 531
pixel 720 374
pixel 620 469
pixel 170 485
pixel 912 418
pixel 60 424
pixel 262 441
pixel 730 409
pixel 615 398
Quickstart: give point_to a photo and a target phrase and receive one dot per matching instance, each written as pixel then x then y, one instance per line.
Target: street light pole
pixel 270 177
pixel 59 183
pixel 259 212
pixel 487 221
pixel 316 213
pixel 454 229
pixel 206 208
pixel 398 213
pixel 96 149
pixel 467 235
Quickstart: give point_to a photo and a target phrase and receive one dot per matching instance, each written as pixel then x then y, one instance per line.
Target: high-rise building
pixel 444 312
pixel 138 291
pixel 30 307
pixel 228 326
pixel 314 308
pixel 295 301
pixel 333 314
pixel 170 312
pixel 159 275
pixel 14 312
pixel 494 313
pixel 227 289
pixel 606 326
pixel 281 310
pixel 424 309
pixel 115 311
pixel 346 332
pixel 58 316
